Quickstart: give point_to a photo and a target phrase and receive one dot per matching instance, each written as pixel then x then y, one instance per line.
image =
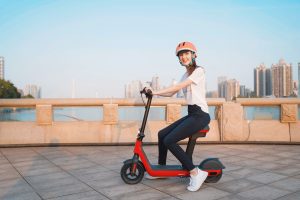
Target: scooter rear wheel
pixel 130 177
pixel 212 165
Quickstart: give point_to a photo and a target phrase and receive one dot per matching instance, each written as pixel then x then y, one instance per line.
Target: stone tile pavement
pixel 92 172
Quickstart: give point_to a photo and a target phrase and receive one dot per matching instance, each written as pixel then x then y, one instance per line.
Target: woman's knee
pixel 161 134
pixel 168 142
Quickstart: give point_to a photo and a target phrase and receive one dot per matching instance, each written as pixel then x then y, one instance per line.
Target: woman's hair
pixel 193 66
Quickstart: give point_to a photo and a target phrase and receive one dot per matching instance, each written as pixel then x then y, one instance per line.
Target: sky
pixel 102 45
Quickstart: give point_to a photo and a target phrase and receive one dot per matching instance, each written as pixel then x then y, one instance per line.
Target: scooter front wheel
pixel 131 176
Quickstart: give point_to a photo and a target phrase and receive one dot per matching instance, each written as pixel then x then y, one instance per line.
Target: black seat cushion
pixel 200 133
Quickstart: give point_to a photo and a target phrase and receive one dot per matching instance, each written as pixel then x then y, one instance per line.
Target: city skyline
pixel 276 81
pixel 267 82
pixel 104 45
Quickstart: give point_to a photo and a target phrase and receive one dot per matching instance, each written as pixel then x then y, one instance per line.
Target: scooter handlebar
pixel 147 92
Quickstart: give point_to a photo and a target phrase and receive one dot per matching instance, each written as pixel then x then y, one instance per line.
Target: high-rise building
pixel 260 80
pixel 298 79
pixel 155 85
pixel 282 79
pixel 242 90
pixel 228 89
pixel 222 86
pixel 233 89
pixel 33 90
pixel 245 92
pixel 132 90
pixel 269 87
pixel 1 67
pixel 275 82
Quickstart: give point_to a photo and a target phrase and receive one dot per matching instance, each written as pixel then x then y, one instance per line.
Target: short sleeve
pixel 197 76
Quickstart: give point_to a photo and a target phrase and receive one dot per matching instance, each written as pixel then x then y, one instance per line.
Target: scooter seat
pixel 201 133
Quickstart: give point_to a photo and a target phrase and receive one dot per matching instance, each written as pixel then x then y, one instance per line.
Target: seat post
pixel 190 147
pixel 192 141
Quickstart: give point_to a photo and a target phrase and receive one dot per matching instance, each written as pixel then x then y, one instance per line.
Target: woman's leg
pixel 184 129
pixel 162 149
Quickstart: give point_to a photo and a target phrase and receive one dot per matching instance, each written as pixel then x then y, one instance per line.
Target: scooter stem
pixel 147 109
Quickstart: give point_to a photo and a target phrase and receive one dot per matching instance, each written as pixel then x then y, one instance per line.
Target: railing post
pixel 289 113
pixel 232 122
pixel 110 114
pixel 173 112
pixel 219 117
pixel 44 114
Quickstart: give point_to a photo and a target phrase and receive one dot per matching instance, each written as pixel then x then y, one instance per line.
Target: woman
pixel 193 86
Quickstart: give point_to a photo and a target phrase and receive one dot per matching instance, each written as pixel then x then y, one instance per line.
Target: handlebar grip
pixel 147 92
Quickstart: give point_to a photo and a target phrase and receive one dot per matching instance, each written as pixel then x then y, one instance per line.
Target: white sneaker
pixel 197 181
pixel 148 176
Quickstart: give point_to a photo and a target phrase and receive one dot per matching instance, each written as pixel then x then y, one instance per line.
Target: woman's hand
pixel 153 92
pixel 149 90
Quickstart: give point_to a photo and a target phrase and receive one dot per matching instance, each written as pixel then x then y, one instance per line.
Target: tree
pixel 8 90
pixel 28 96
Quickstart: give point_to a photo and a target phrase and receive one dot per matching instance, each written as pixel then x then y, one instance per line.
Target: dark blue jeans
pixel 179 130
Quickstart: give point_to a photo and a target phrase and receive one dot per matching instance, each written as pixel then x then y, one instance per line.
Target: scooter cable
pixel 143 99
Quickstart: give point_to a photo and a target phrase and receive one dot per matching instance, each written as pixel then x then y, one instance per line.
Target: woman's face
pixel 185 57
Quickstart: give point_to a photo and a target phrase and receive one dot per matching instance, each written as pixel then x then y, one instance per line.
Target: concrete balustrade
pixel 287 129
pixel 289 113
pixel 229 125
pixel 44 114
pixel 232 122
pixel 173 112
pixel 110 114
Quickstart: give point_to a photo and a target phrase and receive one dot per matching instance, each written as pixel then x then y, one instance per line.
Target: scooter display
pixel 133 169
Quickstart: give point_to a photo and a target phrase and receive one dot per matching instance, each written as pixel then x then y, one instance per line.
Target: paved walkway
pixel 92 172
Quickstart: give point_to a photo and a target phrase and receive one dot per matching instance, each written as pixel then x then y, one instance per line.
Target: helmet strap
pixel 192 63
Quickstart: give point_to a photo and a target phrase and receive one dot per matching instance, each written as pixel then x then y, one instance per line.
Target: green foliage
pixel 28 96
pixel 8 90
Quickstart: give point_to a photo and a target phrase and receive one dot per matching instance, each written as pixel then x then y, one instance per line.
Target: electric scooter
pixel 133 169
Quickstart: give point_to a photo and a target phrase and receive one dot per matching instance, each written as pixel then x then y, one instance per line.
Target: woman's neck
pixel 190 69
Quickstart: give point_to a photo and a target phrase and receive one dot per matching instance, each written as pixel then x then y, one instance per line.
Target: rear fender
pixel 211 160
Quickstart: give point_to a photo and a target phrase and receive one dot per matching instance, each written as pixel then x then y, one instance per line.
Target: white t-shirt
pixel 195 93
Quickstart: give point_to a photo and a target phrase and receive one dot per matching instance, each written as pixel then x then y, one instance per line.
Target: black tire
pixel 132 178
pixel 212 165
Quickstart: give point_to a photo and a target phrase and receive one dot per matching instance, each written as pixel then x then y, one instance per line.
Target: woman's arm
pixel 170 91
pixel 167 94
